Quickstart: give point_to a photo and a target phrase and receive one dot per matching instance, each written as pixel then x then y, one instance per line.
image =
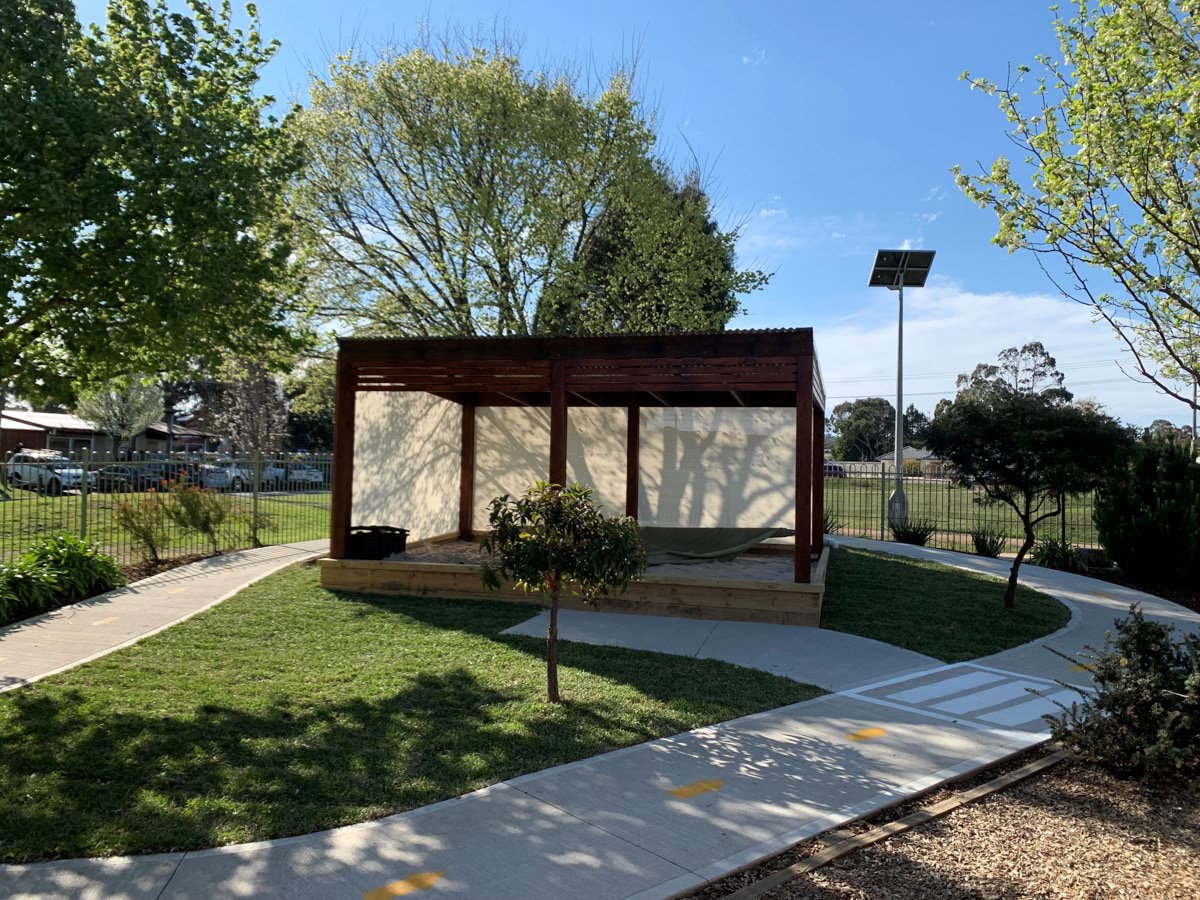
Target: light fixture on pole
pixel 896 270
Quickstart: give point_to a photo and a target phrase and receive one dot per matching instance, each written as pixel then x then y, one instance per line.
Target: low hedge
pixel 54 572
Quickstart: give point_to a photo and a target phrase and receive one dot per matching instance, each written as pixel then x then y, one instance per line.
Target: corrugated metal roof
pixel 519 337
pixel 10 424
pixel 51 421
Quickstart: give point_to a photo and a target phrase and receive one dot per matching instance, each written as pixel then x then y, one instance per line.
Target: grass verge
pixel 290 709
pixel 933 609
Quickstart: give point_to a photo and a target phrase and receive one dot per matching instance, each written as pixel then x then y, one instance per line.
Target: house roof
pixel 920 454
pixel 51 421
pixel 10 424
pixel 160 429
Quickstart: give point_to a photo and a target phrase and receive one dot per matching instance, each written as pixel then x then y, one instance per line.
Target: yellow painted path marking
pixel 866 734
pixel 1104 595
pixel 106 621
pixel 178 590
pixel 696 788
pixel 419 882
pixel 1080 667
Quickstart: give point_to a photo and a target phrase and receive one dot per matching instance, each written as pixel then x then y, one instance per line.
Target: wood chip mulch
pixel 1071 833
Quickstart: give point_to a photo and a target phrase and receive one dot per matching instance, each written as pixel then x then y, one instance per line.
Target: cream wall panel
pixel 710 467
pixel 406 462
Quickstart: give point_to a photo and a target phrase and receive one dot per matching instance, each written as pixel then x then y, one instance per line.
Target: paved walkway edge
pixel 270 567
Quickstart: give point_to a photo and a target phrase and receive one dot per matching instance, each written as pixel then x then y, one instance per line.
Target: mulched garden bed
pixel 1072 832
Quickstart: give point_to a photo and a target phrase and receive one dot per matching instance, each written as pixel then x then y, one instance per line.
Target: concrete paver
pixel 67 637
pixel 652 820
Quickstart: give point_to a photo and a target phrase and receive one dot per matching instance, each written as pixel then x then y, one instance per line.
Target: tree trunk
pixel 552 646
pixel 1010 592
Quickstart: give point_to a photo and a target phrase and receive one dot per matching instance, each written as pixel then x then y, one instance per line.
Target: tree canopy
pixel 122 409
pixel 140 182
pixel 453 190
pixel 1025 447
pixel 1106 192
pixel 864 429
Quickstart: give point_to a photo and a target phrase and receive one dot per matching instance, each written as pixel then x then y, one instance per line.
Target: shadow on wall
pixel 406 462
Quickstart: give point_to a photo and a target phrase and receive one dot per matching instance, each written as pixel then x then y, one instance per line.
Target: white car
pixel 241 476
pixel 302 475
pixel 48 472
pixel 213 477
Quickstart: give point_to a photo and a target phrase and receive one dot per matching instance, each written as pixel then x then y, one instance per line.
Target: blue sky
pixel 829 130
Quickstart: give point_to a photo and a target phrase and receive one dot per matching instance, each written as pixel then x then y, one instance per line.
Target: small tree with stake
pixel 555 536
pixel 1027 449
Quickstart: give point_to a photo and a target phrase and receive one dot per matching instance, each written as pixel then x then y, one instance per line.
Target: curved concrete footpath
pixel 663 817
pixel 72 635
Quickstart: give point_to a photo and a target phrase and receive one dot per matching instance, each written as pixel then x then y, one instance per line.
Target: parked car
pixel 123 479
pixel 241 476
pixel 302 475
pixel 833 470
pixel 213 477
pixel 45 471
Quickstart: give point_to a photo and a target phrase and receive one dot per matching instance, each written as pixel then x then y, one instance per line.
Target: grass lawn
pixel 933 609
pixel 855 502
pixel 28 517
pixel 290 709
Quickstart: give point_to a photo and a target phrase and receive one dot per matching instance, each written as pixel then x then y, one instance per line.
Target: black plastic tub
pixel 377 541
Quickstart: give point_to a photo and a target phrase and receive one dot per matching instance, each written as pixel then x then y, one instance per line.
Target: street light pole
pixel 898 502
pixel 895 270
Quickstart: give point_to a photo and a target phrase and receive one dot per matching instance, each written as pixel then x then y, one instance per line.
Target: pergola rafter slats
pixel 775 368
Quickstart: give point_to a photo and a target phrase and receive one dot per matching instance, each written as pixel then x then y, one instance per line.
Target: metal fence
pixel 856 499
pixel 166 507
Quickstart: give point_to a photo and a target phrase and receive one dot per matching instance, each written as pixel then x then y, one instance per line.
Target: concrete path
pixel 72 635
pixel 662 817
pixel 828 659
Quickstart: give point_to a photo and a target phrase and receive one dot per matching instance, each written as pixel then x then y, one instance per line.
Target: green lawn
pixel 946 613
pixel 289 709
pixel 855 503
pixel 28 517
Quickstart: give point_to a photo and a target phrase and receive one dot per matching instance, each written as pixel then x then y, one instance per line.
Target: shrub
pixel 912 468
pixel 1148 518
pixel 988 542
pixel 913 531
pixel 1144 717
pixel 1054 553
pixel 25 589
pixel 830 523
pixel 76 566
pixel 146 521
pixel 204 511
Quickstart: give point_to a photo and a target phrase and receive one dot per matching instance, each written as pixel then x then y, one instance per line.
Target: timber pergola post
pixel 771 368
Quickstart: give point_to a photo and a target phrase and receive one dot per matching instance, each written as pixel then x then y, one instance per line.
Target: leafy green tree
pixel 1026 448
pixel 916 427
pixel 554 537
pixel 865 428
pixel 655 260
pixel 452 190
pixel 310 390
pixel 1026 370
pixel 140 188
pixel 1108 179
pixel 121 408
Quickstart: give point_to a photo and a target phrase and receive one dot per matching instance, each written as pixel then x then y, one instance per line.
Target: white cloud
pixel 948 330
pixel 768 212
pixel 836 235
pixel 911 243
pixel 935 193
pixel 756 58
pixel 930 216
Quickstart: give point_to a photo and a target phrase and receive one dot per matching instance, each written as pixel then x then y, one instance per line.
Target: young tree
pixel 122 409
pixel 1027 449
pixel 452 190
pixel 865 428
pixel 553 537
pixel 250 407
pixel 140 186
pixel 1109 177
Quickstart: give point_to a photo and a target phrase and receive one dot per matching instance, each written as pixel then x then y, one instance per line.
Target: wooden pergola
pixel 769 368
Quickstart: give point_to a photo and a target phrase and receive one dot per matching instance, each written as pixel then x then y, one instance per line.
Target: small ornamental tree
pixel 1027 449
pixel 555 536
